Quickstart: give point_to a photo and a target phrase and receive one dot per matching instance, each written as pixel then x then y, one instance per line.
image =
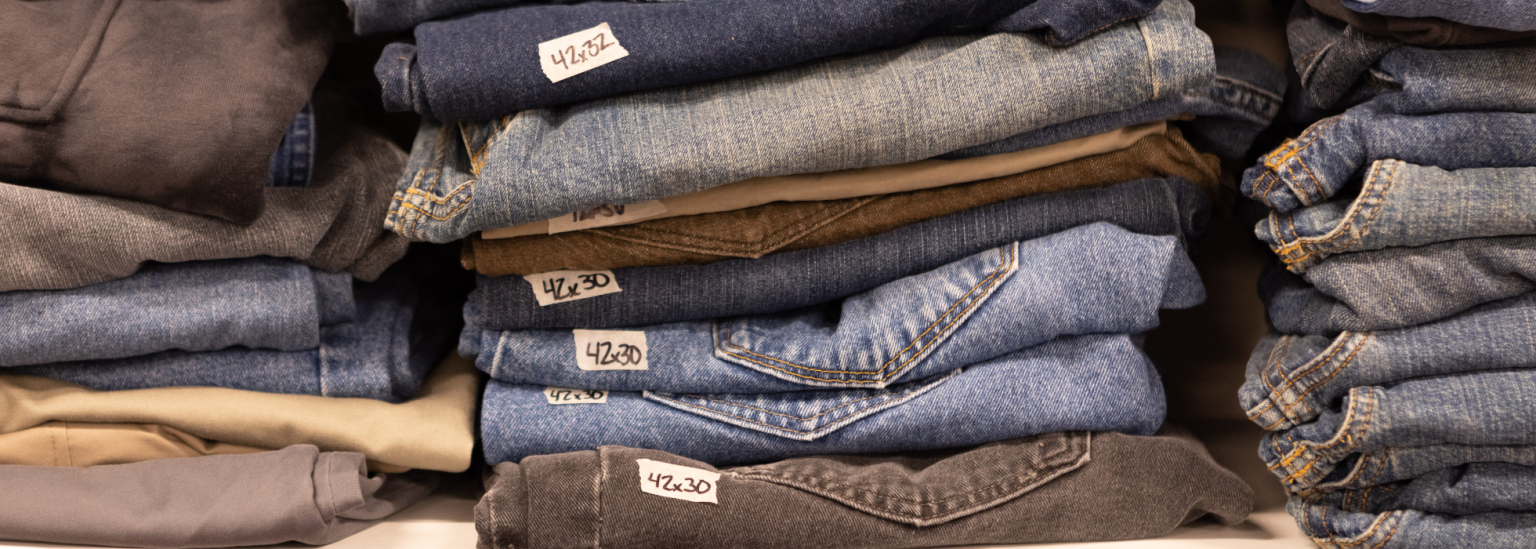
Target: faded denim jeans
pixel 1500 14
pixel 971 90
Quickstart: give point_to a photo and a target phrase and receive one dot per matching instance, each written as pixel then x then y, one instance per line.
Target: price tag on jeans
pixel 679 482
pixel 610 350
pixel 603 216
pixel 562 286
pixel 563 395
pixel 579 52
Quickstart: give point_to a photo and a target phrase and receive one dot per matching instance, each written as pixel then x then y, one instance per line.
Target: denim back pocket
pixel 50 45
pixel 932 488
pixel 877 345
pixel 805 416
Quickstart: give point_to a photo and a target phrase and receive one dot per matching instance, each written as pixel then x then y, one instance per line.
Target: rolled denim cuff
pixel 397 74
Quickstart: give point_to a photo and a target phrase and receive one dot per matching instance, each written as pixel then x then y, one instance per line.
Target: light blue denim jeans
pixel 383 354
pixel 911 103
pixel 1403 204
pixel 783 281
pixel 1294 379
pixel 1514 15
pixel 1093 279
pixel 1094 382
pixel 259 302
pixel 1333 528
pixel 1468 489
pixel 1399 287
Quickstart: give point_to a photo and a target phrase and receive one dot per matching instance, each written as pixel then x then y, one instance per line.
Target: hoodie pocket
pixel 49 44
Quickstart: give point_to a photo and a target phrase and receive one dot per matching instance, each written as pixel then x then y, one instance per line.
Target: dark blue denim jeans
pixel 258 302
pixel 1093 279
pixel 1331 527
pixel 1515 15
pixel 1094 382
pixel 450 73
pixel 780 282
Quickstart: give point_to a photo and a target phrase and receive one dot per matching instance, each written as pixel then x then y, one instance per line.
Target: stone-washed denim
pixel 1093 279
pixel 1294 379
pixel 1469 489
pixel 293 165
pixel 1480 409
pixel 198 306
pixel 1470 105
pixel 1333 528
pixel 450 74
pixel 780 282
pixel 969 90
pixel 1403 204
pixel 1430 32
pixel 1399 287
pixel 399 332
pixel 1095 382
pixel 1514 15
pixel 1329 55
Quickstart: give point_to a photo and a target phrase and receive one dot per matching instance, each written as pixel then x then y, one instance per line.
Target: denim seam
pixel 1010 258
pixel 1324 245
pixel 602 478
pixel 1345 433
pixel 796 418
pixel 785 429
pixel 1285 413
pixel 1293 148
pixel 1272 368
pixel 1249 88
pixel 800 228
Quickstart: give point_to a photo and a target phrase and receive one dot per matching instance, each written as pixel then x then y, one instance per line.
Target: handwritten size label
pixel 678 482
pixel 563 395
pixel 603 216
pixel 579 52
pixel 562 286
pixel 610 350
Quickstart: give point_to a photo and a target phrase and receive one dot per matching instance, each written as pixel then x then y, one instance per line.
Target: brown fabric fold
pixel 71 444
pixel 788 226
pixel 1430 32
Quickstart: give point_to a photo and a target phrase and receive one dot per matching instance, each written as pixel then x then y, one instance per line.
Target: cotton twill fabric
pixel 434 430
pixel 971 90
pixel 783 281
pixel 1096 278
pixel 1093 382
pixel 789 226
pixel 72 240
pixel 295 494
pixel 1058 487
pixel 111 103
pixel 69 444
pixel 862 182
pixel 196 306
pixel 1502 14
pixel 1418 31
pixel 448 74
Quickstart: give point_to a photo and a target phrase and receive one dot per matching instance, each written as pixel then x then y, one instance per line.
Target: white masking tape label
pixel 562 286
pixel 678 482
pixel 603 216
pixel 579 52
pixel 610 349
pixel 563 395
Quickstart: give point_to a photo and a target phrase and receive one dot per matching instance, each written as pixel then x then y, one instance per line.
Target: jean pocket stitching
pixel 1309 247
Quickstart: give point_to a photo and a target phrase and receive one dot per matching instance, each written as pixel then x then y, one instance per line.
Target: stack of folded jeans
pixel 195 222
pixel 731 233
pixel 1397 384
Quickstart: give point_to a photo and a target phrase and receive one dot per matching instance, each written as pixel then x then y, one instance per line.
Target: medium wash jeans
pixel 970 90
pixel 1093 279
pixel 1514 15
pixel 1294 379
pixel 383 354
pixel 1399 287
pixel 1094 382
pixel 1402 204
pixel 1466 490
pixel 449 73
pixel 1333 528
pixel 198 306
pixel 1481 413
pixel 784 281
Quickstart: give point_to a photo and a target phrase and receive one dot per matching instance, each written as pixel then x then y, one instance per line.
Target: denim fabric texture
pixel 971 90
pixel 1330 55
pixel 1430 32
pixel 199 306
pixel 1469 489
pixel 1333 528
pixel 383 354
pixel 780 282
pixel 1402 204
pixel 1293 379
pixel 1093 279
pixel 1399 287
pixel 449 74
pixel 1095 382
pixel 1515 15
pixel 1492 408
pixel 293 165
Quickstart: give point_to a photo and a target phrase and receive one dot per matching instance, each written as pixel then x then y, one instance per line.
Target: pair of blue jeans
pixel 1515 15
pixel 1093 279
pixel 1399 287
pixel 911 103
pixel 1467 489
pixel 1294 379
pixel 784 281
pixel 258 302
pixel 450 74
pixel 400 330
pixel 1333 528
pixel 1092 382
pixel 1403 204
